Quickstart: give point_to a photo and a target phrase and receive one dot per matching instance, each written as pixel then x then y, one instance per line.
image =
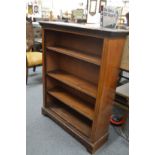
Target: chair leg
pixel 26 75
pixel 34 68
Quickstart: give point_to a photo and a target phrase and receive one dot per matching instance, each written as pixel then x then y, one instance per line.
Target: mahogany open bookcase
pixel 80 71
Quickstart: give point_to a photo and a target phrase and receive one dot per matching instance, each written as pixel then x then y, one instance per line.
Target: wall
pixel 57 5
pixel 67 5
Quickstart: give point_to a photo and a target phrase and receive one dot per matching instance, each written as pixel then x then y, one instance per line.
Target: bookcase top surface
pixel 85 28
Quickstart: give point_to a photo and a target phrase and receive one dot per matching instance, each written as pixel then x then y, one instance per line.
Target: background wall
pixel 115 3
pixel 67 5
pixel 57 6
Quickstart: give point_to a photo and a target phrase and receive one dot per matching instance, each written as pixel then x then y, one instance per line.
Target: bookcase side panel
pixel 44 68
pixel 110 63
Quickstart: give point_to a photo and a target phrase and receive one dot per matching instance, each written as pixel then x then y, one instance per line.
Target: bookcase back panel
pixel 52 61
pixel 85 44
pixel 71 117
pixel 82 43
pixel 54 84
pixel 89 100
pixel 51 83
pixel 51 38
pixel 79 68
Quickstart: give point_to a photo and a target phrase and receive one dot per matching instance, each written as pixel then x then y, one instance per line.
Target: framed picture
pixel 30 9
pixel 92 7
pixel 102 3
pixel 36 9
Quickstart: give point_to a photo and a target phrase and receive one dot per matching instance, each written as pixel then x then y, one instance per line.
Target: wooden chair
pixel 124 67
pixel 33 58
pixel 122 91
pixel 37 38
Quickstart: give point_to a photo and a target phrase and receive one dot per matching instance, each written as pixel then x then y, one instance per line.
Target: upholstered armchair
pixel 33 58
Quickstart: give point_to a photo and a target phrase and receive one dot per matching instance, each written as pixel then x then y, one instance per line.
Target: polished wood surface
pixel 73 102
pixel 75 82
pixel 76 54
pixel 107 83
pixel 81 67
pixel 70 118
pixel 125 56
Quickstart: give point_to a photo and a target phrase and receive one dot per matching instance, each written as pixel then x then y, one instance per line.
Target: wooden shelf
pixel 73 102
pixel 76 54
pixel 71 119
pixel 74 82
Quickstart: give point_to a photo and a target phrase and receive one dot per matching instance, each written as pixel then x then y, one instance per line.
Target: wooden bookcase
pixel 80 71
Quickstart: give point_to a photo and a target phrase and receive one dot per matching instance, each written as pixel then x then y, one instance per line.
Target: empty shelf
pixel 73 102
pixel 71 119
pixel 74 82
pixel 76 54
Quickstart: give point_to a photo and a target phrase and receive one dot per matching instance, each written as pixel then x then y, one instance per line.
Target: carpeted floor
pixel 45 137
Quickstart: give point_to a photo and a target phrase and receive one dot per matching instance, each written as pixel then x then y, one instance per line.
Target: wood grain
pixel 111 58
pixel 75 82
pixel 72 119
pixel 84 65
pixel 73 102
pixel 76 54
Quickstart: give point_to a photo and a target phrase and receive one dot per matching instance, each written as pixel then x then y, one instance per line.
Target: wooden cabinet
pixel 80 71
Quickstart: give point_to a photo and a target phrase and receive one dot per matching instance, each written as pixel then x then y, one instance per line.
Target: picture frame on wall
pixel 92 7
pixel 30 9
pixel 102 3
pixel 36 9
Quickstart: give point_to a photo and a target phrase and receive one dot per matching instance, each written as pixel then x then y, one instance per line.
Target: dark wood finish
pixel 71 41
pixel 73 102
pixel 81 66
pixel 71 118
pixel 81 69
pixel 78 130
pixel 29 35
pixel 45 103
pixel 76 54
pixel 74 82
pixel 107 84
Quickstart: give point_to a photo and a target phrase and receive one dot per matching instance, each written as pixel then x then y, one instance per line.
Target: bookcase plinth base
pixel 91 147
